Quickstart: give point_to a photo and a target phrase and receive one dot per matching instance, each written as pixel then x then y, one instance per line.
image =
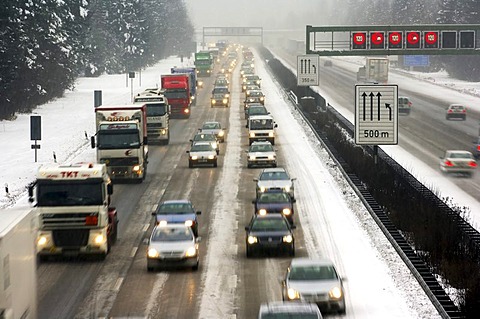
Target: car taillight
pixel 478 147
pixel 450 111
pixel 464 111
pixel 472 164
pixel 448 163
pixel 409 103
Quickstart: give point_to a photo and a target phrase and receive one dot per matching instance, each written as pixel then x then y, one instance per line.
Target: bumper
pixel 261 139
pixel 270 247
pixel 456 116
pixel 125 173
pixel 172 262
pixel 192 163
pixel 460 170
pixel 261 162
pixel 72 242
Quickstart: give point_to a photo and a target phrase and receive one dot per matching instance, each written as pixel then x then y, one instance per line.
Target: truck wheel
pixel 249 252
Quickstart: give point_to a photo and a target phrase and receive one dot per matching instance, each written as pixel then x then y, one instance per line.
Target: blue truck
pixel 192 71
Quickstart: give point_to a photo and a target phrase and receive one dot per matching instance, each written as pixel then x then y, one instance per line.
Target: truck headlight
pixel 191 252
pixel 251 157
pixel 293 294
pixel 42 240
pixel 99 239
pixel 287 239
pixel 287 188
pixel 163 223
pixel 286 211
pixel 271 157
pixel 252 240
pixel 221 133
pixel 335 293
pixel 136 168
pixel 262 189
pixel 152 253
pixel 214 145
pixel 252 134
pixel 189 223
pixel 270 134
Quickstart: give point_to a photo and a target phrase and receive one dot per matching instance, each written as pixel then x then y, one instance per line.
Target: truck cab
pixel 158 116
pixel 261 128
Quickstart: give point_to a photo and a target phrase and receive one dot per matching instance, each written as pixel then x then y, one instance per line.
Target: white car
pixel 315 281
pixel 275 179
pixel 215 128
pixel 202 153
pixel 278 309
pixel 261 154
pixel 455 161
pixel 172 245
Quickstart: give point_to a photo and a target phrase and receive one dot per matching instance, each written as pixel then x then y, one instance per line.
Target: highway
pixel 331 222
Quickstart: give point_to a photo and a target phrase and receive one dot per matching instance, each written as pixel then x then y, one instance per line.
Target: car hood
pixel 274 183
pixel 269 233
pixel 203 154
pixel 212 131
pixel 313 286
pixel 261 154
pixel 167 246
pixel 176 218
pixel 273 206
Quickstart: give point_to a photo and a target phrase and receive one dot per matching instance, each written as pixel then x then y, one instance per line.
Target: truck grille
pixel 70 237
pixel 121 161
pixel 69 220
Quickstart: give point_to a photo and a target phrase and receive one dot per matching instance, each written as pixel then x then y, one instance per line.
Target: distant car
pixel 206 137
pixel 269 232
pixel 202 153
pixel 262 154
pixel 219 99
pixel 275 179
pixel 455 161
pixel 180 211
pixel 277 202
pixel 222 82
pixel 172 245
pixel 404 105
pixel 249 88
pixel 252 77
pixel 247 84
pixel 290 310
pixel 476 149
pixel 255 109
pixel 458 111
pixel 314 280
pixel 221 90
pixel 213 127
pixel 255 96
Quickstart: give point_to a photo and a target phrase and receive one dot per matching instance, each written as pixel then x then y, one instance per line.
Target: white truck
pixel 158 115
pixel 121 140
pixel 18 267
pixel 374 71
pixel 261 128
pixel 72 203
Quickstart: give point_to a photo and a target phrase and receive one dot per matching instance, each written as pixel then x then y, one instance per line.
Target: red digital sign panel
pixel 431 40
pixel 377 40
pixel 395 40
pixel 359 41
pixel 413 40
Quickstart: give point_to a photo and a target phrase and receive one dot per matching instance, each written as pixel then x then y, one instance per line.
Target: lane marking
pixel 118 284
pixel 133 252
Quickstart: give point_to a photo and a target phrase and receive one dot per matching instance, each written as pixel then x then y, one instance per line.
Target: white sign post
pixel 307 69
pixel 376 114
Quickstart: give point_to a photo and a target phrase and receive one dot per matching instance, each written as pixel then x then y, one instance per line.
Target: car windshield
pixel 259 124
pixel 267 176
pixel 220 90
pixel 269 224
pixel 273 198
pixel 261 148
pixel 172 234
pixel 323 272
pixel 175 208
pixel 255 94
pixel 204 137
pixel 201 148
pixel 210 126
pixel 218 95
pixel 257 111
pixel 460 155
pixel 457 107
pixel 289 315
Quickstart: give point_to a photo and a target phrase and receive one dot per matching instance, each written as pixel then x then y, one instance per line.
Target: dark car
pixel 271 232
pixel 176 212
pixel 275 203
pixel 255 96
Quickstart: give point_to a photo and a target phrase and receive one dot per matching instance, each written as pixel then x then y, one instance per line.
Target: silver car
pixel 203 137
pixel 275 179
pixel 261 154
pixel 461 162
pixel 316 281
pixel 290 310
pixel 202 153
pixel 215 128
pixel 172 245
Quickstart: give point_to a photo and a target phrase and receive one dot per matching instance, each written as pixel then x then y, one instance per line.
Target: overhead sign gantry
pixel 436 39
pixel 221 32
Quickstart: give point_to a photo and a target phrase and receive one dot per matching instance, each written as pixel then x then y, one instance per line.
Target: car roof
pixel 260 143
pixel 273 169
pixel 211 122
pixel 456 104
pixel 176 201
pixel 294 307
pixel 203 143
pixel 305 261
pixel 262 117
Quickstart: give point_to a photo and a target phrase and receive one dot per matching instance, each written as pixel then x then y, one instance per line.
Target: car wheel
pixel 249 165
pixel 190 165
pixel 292 251
pixel 195 268
pixel 274 165
pixel 249 252
pixel 215 164
pixel 149 269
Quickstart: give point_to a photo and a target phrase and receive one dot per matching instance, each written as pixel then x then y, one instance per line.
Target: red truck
pixel 177 92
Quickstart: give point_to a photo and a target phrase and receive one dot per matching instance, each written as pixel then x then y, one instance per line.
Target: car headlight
pixel 42 240
pixel 152 253
pixel 270 134
pixel 286 211
pixel 271 157
pixel 211 157
pixel 335 293
pixel 252 134
pixel 252 240
pixel 287 188
pixel 214 145
pixel 213 101
pixel 244 87
pixel 191 252
pixel 262 211
pixel 189 223
pixel 221 133
pixel 258 82
pixel 262 189
pixel 194 157
pixel 293 294
pixel 136 168
pixel 251 157
pixel 99 239
pixel 225 101
pixel 162 223
pixel 227 95
pixel 287 239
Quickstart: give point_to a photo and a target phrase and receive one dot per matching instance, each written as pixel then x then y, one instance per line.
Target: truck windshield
pixel 263 124
pixel 71 193
pixel 176 94
pixel 203 62
pixel 117 139
pixel 156 109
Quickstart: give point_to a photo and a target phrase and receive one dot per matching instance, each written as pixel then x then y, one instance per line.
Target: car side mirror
pixel 246 126
pixel 276 125
pixel 154 213
pixel 198 239
pixel 294 200
pixel 255 179
pixel 294 179
pixel 247 228
pixel 187 152
pixel 191 141
pixel 293 227
pixel 199 212
pixel 253 201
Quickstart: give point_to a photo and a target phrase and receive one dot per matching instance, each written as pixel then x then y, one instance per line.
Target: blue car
pixel 275 203
pixel 177 212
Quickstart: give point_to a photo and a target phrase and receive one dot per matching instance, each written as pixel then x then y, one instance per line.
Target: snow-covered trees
pixel 46 44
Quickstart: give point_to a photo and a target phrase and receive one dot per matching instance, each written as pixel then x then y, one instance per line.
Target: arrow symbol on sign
pixel 371 105
pixel 314 69
pixel 308 69
pixel 364 95
pixel 387 105
pixel 378 104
